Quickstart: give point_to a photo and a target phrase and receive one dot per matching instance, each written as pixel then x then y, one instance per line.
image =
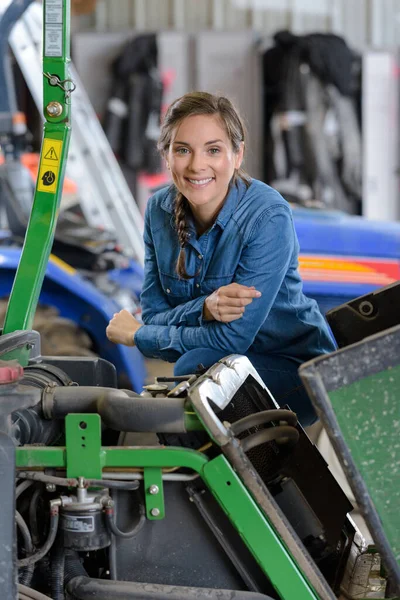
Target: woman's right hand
pixel 228 302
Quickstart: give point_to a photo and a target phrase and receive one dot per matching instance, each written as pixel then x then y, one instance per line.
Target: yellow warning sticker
pixel 47 179
pixel 49 165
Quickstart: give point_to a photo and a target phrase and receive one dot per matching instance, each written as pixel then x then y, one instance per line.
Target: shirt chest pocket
pixel 212 283
pixel 176 290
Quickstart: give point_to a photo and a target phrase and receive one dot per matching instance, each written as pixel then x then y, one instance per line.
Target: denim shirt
pixel 252 242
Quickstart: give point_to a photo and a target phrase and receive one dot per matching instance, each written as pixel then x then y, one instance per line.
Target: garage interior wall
pixel 214 45
pixel 362 22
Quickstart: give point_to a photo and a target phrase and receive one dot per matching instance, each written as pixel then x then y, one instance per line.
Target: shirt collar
pixel 235 194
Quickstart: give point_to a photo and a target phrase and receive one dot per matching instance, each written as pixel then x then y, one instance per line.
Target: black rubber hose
pixel 85 588
pixel 33 506
pixel 125 534
pixel 20 489
pixel 72 482
pixel 25 578
pixel 118 410
pixel 261 418
pixel 73 566
pixel 34 558
pixel 25 575
pixel 285 433
pixel 26 536
pixel 57 570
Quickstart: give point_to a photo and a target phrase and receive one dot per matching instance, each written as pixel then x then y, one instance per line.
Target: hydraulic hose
pixel 34 558
pixel 26 574
pixel 33 507
pixel 73 566
pixel 118 409
pixel 26 536
pixel 27 592
pixel 57 570
pixel 261 418
pixel 20 489
pixel 72 482
pixel 284 434
pixel 124 534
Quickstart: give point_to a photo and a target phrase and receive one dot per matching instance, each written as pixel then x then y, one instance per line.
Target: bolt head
pixel 155 512
pixel 153 490
pixel 50 487
pixel 54 109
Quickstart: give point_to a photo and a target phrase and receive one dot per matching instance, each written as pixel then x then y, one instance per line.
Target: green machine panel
pixel 356 392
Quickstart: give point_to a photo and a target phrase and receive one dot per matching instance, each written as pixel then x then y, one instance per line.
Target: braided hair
pixel 191 104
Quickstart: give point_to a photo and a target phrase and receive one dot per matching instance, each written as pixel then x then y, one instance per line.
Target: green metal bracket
pixel 251 523
pixel 46 457
pixel 56 136
pixel 256 531
pixel 35 457
pixel 83 446
pixel 154 493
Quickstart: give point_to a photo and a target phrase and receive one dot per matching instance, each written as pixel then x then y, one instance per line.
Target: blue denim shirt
pixel 252 242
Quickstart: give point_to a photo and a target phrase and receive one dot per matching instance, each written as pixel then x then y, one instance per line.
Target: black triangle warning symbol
pixel 51 154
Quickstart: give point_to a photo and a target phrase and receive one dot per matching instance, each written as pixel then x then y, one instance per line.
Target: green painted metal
pixel 124 457
pixel 167 456
pixel 34 457
pixel 256 531
pixel 368 413
pixel 83 446
pixel 192 422
pixel 154 494
pixel 57 130
pixel 56 57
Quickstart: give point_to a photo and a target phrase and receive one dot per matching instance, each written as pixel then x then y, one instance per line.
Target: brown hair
pixel 199 103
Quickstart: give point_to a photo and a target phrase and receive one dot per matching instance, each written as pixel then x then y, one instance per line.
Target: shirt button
pixel 199 256
pixel 168 291
pixel 197 285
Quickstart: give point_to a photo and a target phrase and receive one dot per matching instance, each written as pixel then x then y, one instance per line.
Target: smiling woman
pixel 202 163
pixel 221 261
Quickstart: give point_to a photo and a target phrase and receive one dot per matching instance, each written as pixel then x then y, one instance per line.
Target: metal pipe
pixel 73 482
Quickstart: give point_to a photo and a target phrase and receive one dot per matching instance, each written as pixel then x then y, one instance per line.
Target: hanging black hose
pixel 124 534
pixel 73 566
pixel 25 575
pixel 33 507
pixel 57 570
pixel 54 518
pixel 26 536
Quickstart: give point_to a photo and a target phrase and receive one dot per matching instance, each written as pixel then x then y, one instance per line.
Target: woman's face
pixel 202 163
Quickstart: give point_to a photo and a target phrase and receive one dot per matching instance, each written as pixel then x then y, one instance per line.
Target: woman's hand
pixel 122 328
pixel 228 302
